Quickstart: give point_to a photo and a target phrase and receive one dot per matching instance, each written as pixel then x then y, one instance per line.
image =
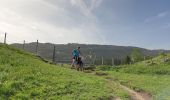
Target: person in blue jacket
pixel 76 54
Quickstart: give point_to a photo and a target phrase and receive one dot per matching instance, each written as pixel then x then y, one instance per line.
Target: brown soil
pixel 137 95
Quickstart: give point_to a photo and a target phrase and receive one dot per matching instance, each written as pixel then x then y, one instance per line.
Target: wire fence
pixel 54 55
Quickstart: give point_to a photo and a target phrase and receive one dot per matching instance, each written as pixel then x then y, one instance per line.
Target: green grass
pixel 154 66
pixel 150 78
pixel 161 69
pixel 157 85
pixel 25 76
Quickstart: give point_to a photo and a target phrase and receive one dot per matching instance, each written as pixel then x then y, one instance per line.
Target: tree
pixel 163 55
pixel 148 57
pixel 136 55
pixel 127 60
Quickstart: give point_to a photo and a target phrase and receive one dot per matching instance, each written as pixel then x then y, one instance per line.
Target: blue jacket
pixel 76 53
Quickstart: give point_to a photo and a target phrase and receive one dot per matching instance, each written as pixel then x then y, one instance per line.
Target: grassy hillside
pixel 25 76
pixel 156 85
pixel 150 76
pixel 63 51
pixel 159 65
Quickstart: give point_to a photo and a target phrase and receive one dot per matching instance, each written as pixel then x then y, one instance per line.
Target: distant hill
pixel 63 51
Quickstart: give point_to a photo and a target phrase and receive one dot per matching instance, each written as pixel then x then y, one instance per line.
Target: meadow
pixel 23 76
pixel 152 78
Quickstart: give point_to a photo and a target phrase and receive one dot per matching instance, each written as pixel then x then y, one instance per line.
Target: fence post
pixel 121 60
pixel 94 60
pixel 24 45
pixel 5 38
pixel 115 60
pixel 112 61
pixel 102 61
pixel 54 54
pixel 37 47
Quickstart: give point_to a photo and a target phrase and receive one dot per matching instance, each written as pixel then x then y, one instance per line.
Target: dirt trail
pixel 134 95
pixel 137 95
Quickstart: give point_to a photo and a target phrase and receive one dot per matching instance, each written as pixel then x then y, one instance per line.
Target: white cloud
pixel 90 24
pixel 158 16
pixel 49 21
pixel 161 15
pixel 96 4
pixel 85 8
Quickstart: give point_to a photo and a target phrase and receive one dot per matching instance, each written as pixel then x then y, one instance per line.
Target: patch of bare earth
pixel 101 74
pixel 117 98
pixel 137 95
pixel 146 96
pixel 133 94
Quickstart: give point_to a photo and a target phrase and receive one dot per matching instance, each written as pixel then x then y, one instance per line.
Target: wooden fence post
pixel 121 61
pixel 112 61
pixel 5 38
pixel 94 60
pixel 54 54
pixel 102 61
pixel 37 47
pixel 24 45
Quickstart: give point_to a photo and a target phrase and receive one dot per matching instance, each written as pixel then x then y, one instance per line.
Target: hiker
pixel 76 57
pixel 80 64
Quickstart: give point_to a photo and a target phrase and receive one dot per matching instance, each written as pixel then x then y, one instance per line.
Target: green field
pixel 25 76
pixel 158 86
pixel 144 77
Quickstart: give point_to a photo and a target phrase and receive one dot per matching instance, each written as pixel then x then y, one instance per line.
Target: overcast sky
pixel 142 23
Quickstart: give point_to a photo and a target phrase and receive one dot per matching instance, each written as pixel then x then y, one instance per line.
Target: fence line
pixel 92 61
